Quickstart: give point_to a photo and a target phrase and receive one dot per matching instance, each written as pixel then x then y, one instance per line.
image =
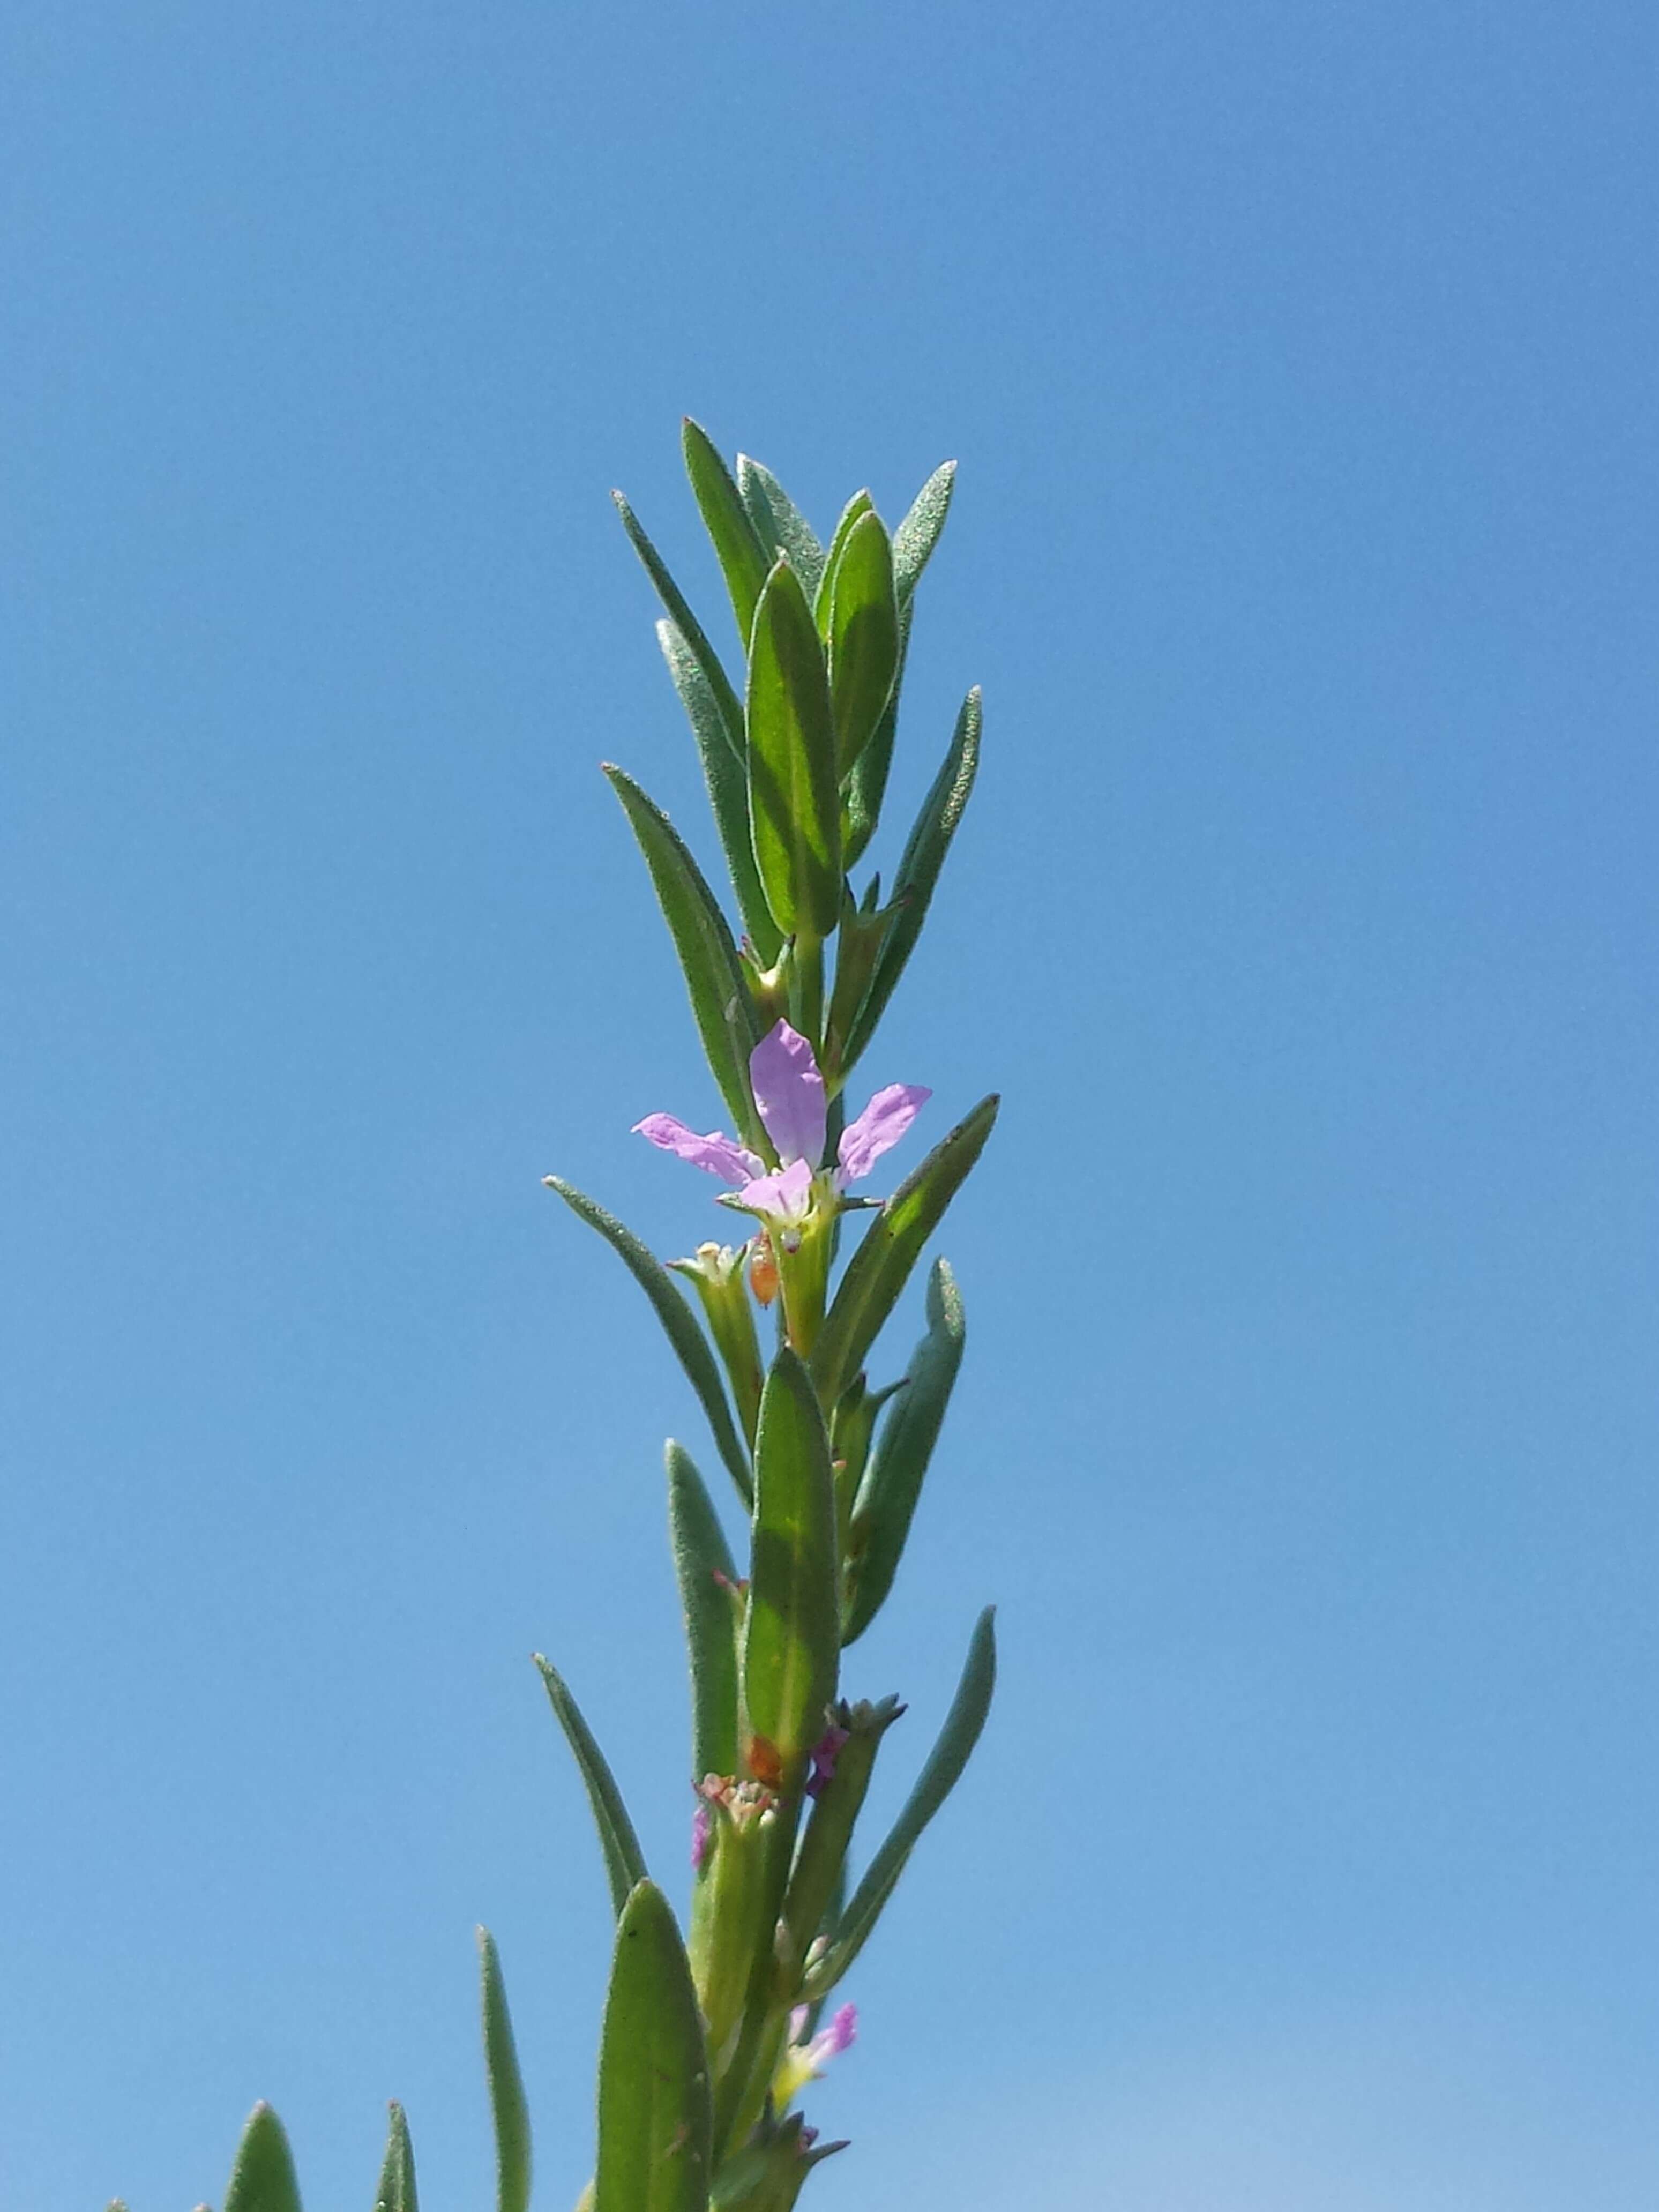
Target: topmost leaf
pixel 744 560
pixel 779 523
pixel 917 535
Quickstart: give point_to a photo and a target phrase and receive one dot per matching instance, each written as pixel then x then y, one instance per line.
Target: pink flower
pixel 804 2062
pixel 822 1764
pixel 789 1099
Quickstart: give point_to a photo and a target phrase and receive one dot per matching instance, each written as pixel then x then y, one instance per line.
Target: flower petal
pixel 880 1128
pixel 789 1094
pixel 714 1153
pixel 829 2042
pixel 782 1197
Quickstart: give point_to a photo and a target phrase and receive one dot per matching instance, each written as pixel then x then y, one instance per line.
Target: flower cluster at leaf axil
pixel 716 2024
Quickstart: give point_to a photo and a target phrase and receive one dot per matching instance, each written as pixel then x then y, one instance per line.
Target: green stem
pixel 806 989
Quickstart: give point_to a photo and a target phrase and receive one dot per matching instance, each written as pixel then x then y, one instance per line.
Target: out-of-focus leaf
pixel 263 2178
pixel 624 1862
pixel 679 1323
pixel 892 1244
pixel 728 782
pixel 919 867
pixel 794 798
pixel 887 1497
pixel 727 706
pixel 792 1635
pixel 700 1555
pixel 957 1739
pixel 508 2112
pixel 864 637
pixel 397 2190
pixel 743 558
pixel 779 523
pixel 655 2118
pixel 917 535
pixel 720 1004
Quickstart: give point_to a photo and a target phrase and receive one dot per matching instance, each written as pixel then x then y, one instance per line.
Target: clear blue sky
pixel 1299 362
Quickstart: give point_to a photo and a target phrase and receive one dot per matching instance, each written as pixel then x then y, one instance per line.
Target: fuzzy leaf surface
pixel 655 2117
pixel 794 797
pixel 509 2112
pixel 880 1269
pixel 886 1502
pixel 624 1862
pixel 680 1325
pixel 957 1739
pixel 792 1635
pixel 720 1004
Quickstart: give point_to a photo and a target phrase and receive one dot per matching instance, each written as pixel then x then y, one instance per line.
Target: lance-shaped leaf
pixel 887 1496
pixel 744 560
pixel 655 2119
pixel 720 1004
pixel 880 1269
pixel 727 706
pixel 678 1322
pixel 779 523
pixel 917 535
pixel 794 798
pixel 397 2191
pixel 707 1578
pixel 508 2112
pixel 792 1634
pixel 866 787
pixel 263 2178
pixel 919 867
pixel 859 504
pixel 864 637
pixel 728 782
pixel 957 1739
pixel 624 1862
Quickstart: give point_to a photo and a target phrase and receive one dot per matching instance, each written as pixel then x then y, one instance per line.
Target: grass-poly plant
pixel 710 2035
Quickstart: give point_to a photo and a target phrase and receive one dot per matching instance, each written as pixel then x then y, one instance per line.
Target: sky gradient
pixel 1299 365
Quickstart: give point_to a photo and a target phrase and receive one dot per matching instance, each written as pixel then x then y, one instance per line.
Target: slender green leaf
pixel 624 1862
pixel 508 2110
pixel 859 504
pixel 700 1555
pixel 866 787
pixel 892 1244
pixel 727 706
pixel 680 1323
pixel 887 1497
pixel 957 1739
pixel 720 1004
pixel 744 560
pixel 728 782
pixel 263 2178
pixel 656 2118
pixel 779 523
pixel 792 1634
pixel 794 799
pixel 919 867
pixel 864 637
pixel 397 2190
pixel 917 535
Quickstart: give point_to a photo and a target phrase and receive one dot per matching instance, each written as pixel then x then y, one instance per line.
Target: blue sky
pixel 1298 360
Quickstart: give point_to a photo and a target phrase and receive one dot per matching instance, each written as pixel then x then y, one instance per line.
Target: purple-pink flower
pixel 804 2062
pixel 821 1762
pixel 789 1098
